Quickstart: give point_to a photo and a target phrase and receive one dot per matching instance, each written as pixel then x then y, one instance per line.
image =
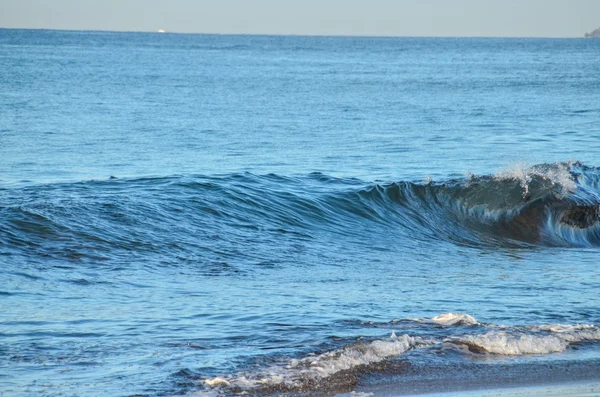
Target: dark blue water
pixel 229 214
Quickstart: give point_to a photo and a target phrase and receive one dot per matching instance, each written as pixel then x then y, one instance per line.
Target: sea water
pixel 219 215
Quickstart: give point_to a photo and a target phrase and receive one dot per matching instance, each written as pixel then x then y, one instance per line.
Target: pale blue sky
pixel 537 18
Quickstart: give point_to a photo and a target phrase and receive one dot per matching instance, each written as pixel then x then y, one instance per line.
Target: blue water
pixel 262 212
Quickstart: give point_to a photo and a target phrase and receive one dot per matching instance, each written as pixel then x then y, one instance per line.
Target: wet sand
pixel 551 378
pixel 586 389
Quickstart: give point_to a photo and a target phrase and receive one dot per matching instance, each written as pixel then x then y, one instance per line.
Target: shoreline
pixel 568 389
pixel 464 379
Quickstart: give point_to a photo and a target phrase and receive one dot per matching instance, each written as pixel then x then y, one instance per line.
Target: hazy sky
pixel 546 18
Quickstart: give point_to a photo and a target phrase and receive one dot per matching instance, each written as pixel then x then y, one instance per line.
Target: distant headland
pixel 594 35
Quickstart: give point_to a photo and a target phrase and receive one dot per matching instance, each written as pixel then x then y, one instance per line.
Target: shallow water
pixel 263 212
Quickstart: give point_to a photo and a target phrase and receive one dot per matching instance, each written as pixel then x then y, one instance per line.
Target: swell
pixel 176 217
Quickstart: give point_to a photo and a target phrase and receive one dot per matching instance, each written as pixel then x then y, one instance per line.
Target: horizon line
pixel 161 31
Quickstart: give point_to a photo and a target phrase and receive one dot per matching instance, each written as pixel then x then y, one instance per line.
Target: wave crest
pixel 548 204
pixel 520 342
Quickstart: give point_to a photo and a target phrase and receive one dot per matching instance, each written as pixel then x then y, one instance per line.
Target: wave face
pixel 546 205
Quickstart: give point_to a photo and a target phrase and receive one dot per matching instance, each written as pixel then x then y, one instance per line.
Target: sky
pixel 459 18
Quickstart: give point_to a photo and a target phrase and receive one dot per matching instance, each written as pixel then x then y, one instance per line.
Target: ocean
pixel 216 215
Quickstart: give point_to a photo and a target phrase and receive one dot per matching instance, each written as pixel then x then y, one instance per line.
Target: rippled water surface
pixel 227 214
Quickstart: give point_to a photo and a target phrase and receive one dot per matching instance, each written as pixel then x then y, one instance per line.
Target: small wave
pixel 337 371
pixel 310 373
pixel 537 339
pixel 507 344
pixel 518 343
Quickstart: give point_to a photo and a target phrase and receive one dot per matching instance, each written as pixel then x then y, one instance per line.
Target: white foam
pixel 518 171
pixel 448 319
pixel 515 345
pixel 455 319
pixel 574 333
pixel 558 174
pixel 314 368
pixel 362 354
pixel 521 343
pixel 300 374
pixel 215 382
pixel 563 328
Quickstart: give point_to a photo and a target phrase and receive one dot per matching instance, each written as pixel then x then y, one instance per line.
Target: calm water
pixel 226 214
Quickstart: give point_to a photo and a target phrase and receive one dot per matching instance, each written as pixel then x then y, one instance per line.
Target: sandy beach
pixel 579 389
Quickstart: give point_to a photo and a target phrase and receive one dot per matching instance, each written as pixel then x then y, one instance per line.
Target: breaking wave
pixel 530 340
pixel 549 204
pixel 310 371
pixel 340 368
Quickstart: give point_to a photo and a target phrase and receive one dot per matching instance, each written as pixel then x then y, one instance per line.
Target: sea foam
pixel 544 339
pixel 455 319
pixel 309 370
pixel 300 374
pixel 297 374
pixel 448 319
pixel 559 174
